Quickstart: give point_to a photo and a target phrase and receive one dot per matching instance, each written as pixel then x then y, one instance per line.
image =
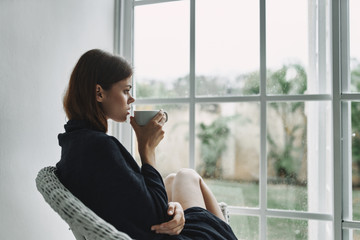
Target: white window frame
pixel 340 217
pixel 342 98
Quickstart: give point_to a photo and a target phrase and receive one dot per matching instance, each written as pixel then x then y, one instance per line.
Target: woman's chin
pixel 119 120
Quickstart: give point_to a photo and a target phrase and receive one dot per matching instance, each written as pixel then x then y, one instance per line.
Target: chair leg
pixel 225 212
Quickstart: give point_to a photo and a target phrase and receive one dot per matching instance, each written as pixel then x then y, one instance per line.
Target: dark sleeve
pixel 155 185
pixel 108 182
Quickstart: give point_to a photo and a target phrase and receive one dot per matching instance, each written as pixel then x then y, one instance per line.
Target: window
pixel 262 102
pixel 350 104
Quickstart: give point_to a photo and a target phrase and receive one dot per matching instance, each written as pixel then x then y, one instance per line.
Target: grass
pixel 280 196
pixel 356 204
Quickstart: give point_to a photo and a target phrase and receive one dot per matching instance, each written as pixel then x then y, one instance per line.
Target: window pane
pixel 297 45
pixel 355 148
pixel 354 19
pixel 173 151
pixel 356 234
pixel 245 227
pixel 351 234
pixel 285 229
pixel 227 149
pixel 227 46
pixel 299 156
pixel 161 50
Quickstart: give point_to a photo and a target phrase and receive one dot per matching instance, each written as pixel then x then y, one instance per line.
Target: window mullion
pixel 336 71
pixel 344 86
pixel 147 2
pixel 347 162
pixel 123 45
pixel 345 48
pixel 321 43
pixel 192 87
pixel 263 105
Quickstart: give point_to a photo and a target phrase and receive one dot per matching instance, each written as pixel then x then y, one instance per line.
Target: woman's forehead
pixel 125 82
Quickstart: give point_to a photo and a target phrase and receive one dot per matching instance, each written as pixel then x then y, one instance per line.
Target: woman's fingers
pixel 175 225
pixel 160 118
pixel 133 122
pixel 171 208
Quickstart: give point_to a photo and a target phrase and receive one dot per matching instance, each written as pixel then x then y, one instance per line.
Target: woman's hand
pixel 175 225
pixel 149 136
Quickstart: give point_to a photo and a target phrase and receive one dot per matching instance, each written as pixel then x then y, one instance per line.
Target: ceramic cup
pixel 143 117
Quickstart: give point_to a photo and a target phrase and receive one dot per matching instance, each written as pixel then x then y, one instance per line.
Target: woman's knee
pixel 188 173
pixel 187 189
pixel 170 179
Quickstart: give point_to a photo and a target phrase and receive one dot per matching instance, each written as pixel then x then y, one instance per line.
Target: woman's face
pixel 116 101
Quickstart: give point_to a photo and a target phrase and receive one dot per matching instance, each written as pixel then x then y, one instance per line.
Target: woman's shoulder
pixel 100 139
pixel 85 137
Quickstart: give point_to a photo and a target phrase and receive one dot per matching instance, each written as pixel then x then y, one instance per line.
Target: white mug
pixel 143 117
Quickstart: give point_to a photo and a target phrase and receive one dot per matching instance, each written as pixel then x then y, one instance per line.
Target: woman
pixel 98 170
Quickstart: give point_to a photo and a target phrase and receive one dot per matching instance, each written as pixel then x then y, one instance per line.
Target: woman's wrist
pixel 147 156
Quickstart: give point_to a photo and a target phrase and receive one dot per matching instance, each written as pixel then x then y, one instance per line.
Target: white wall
pixel 40 42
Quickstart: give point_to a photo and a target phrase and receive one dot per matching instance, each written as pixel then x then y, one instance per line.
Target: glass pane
pixel 356 234
pixel 173 151
pixel 354 9
pixel 297 45
pixel 287 229
pixel 227 47
pixel 355 125
pixel 299 156
pixel 227 150
pixel 351 234
pixel 161 50
pixel 278 229
pixel 245 227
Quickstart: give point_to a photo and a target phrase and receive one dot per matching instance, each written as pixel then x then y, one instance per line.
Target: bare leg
pixel 211 203
pixel 186 189
pixel 169 180
pixel 190 190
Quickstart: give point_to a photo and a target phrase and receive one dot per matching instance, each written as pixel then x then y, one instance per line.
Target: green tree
pixel 150 89
pixel 289 79
pixel 355 116
pixel 213 139
pixel 355 76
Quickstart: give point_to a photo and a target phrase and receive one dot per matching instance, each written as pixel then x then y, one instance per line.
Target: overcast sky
pixel 227 36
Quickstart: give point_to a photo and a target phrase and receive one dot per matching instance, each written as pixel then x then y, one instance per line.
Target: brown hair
pixel 94 67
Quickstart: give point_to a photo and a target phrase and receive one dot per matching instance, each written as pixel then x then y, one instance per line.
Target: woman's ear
pixel 99 93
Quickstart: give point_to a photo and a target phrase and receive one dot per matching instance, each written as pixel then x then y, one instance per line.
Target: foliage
pixel 160 89
pixel 206 85
pixel 290 79
pixel 355 119
pixel 287 158
pixel 355 123
pixel 355 76
pixel 213 143
pixel 252 83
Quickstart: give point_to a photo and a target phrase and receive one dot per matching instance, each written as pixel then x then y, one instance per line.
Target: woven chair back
pixel 83 222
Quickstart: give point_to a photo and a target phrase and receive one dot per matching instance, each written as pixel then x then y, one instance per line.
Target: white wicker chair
pixel 83 222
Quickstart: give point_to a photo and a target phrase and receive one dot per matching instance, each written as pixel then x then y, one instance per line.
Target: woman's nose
pixel 131 99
